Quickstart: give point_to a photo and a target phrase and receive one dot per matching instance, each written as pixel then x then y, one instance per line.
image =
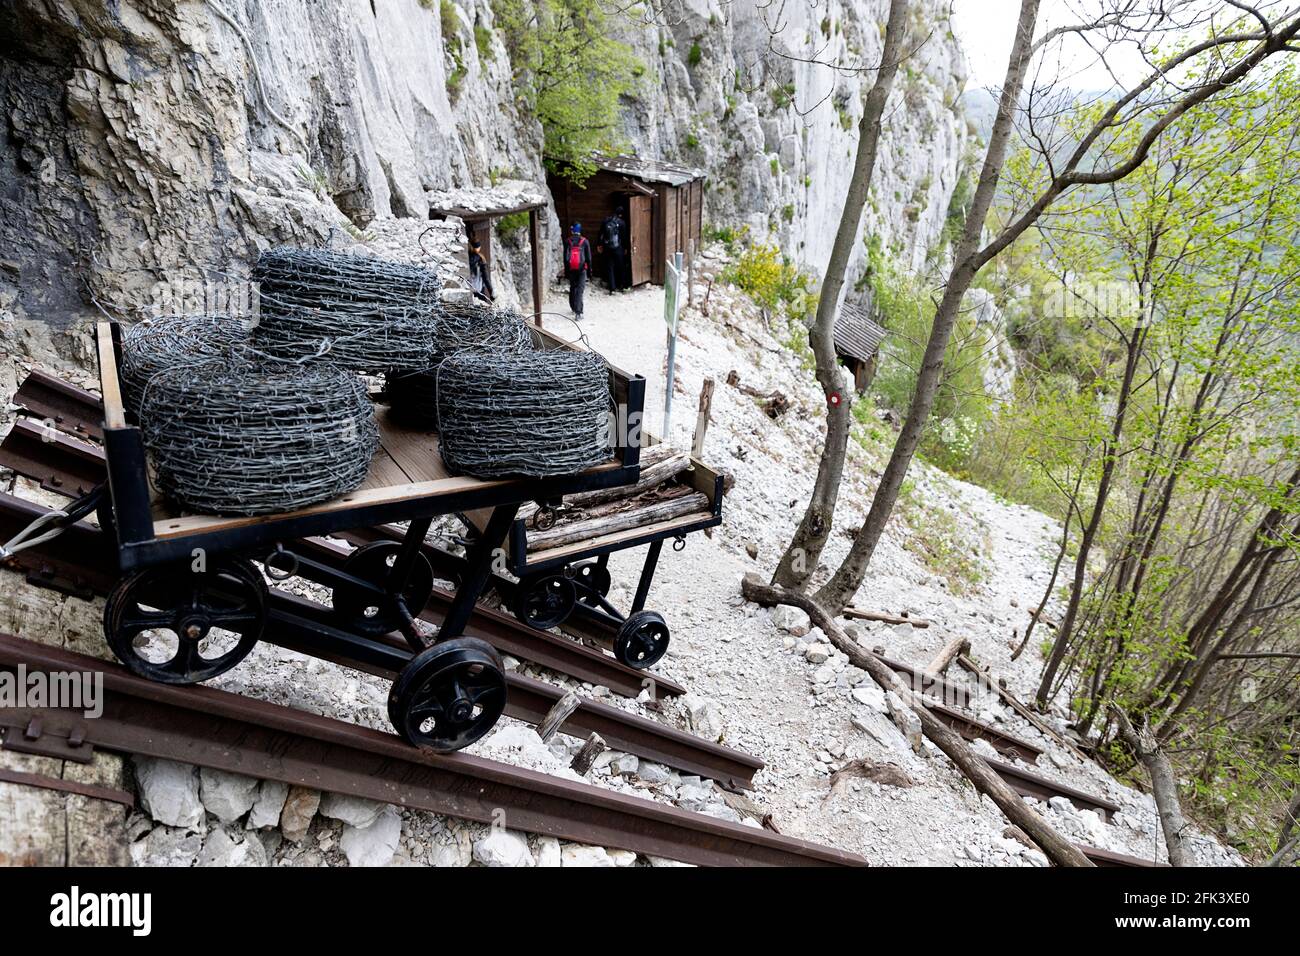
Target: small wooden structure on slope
pixel 663 204
pixel 857 343
pixel 480 207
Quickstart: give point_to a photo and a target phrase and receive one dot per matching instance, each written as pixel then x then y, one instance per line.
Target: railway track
pixel 211 728
pixel 82 555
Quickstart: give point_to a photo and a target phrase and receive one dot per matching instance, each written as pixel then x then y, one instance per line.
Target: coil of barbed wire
pixel 357 312
pixel 240 435
pixel 464 326
pixel 171 341
pixel 532 414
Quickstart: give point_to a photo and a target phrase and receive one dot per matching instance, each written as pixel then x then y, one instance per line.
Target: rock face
pixel 149 142
pixel 776 128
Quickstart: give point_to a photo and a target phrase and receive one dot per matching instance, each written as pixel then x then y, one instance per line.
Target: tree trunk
pixel 801 557
pixel 841 588
pixel 1094 521
pixel 1164 787
pixel 1058 849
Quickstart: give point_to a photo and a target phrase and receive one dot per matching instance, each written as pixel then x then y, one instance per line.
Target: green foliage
pixel 455 48
pixel 906 308
pixel 775 165
pixel 783 95
pixel 695 55
pixel 570 74
pixel 1204 447
pixel 787 212
pixel 773 281
pixel 692 141
pixel 483 43
pixel 512 223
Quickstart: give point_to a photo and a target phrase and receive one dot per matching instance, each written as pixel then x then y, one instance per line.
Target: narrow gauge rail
pixel 212 728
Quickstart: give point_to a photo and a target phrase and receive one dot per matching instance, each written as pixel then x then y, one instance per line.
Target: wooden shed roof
pixel 486 202
pixel 650 170
pixel 856 335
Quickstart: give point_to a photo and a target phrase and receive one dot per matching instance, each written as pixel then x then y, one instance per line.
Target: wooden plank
pixel 384 472
pixel 109 386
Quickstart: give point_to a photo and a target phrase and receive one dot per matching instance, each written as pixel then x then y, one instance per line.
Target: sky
pixel 987 27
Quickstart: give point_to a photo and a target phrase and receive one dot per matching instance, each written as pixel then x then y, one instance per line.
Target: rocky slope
pixel 152 147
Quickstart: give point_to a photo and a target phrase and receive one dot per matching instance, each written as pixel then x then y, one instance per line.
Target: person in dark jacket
pixel 480 280
pixel 577 266
pixel 613 245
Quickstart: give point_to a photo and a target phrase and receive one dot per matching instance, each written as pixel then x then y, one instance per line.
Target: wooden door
pixel 481 230
pixel 642 239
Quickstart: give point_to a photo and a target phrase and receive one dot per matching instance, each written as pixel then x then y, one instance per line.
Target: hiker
pixel 577 266
pixel 479 278
pixel 613 245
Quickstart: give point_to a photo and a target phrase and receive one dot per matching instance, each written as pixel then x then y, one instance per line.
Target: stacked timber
pixel 657 496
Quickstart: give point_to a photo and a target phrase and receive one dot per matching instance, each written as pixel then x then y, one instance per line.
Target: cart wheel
pixel 595 578
pixel 179 626
pixel 449 695
pixel 642 639
pixel 370 614
pixel 545 600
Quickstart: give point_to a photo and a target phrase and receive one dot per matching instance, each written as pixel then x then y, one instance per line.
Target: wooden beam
pixel 958 645
pixel 857 613
pixel 535 242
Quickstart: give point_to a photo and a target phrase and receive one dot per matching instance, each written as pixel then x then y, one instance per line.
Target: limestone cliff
pixel 151 142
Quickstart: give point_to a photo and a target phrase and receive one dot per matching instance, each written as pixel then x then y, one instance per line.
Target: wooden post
pixel 535 241
pixel 592 749
pixel 702 420
pixel 557 715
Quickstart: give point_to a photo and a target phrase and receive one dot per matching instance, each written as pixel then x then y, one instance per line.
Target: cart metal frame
pixel 148 540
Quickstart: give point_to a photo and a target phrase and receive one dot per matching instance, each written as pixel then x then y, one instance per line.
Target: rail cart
pixel 192 576
pixel 558 582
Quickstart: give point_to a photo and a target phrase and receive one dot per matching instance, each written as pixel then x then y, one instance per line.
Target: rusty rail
pixel 211 728
pixel 1110 858
pixel 70 409
pixel 304 626
pixel 1041 788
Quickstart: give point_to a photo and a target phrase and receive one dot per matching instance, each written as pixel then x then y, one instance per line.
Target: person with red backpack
pixel 577 266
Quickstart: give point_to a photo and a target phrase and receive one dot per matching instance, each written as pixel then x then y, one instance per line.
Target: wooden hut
pixel 663 204
pixel 857 343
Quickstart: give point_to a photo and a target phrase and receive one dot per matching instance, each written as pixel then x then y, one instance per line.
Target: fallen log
pixel 1058 849
pixel 861 615
pixel 958 645
pixel 620 521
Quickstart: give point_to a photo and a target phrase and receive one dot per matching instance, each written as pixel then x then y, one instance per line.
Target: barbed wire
pixel 464 326
pixel 359 312
pixel 532 414
pixel 170 342
pixel 235 434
